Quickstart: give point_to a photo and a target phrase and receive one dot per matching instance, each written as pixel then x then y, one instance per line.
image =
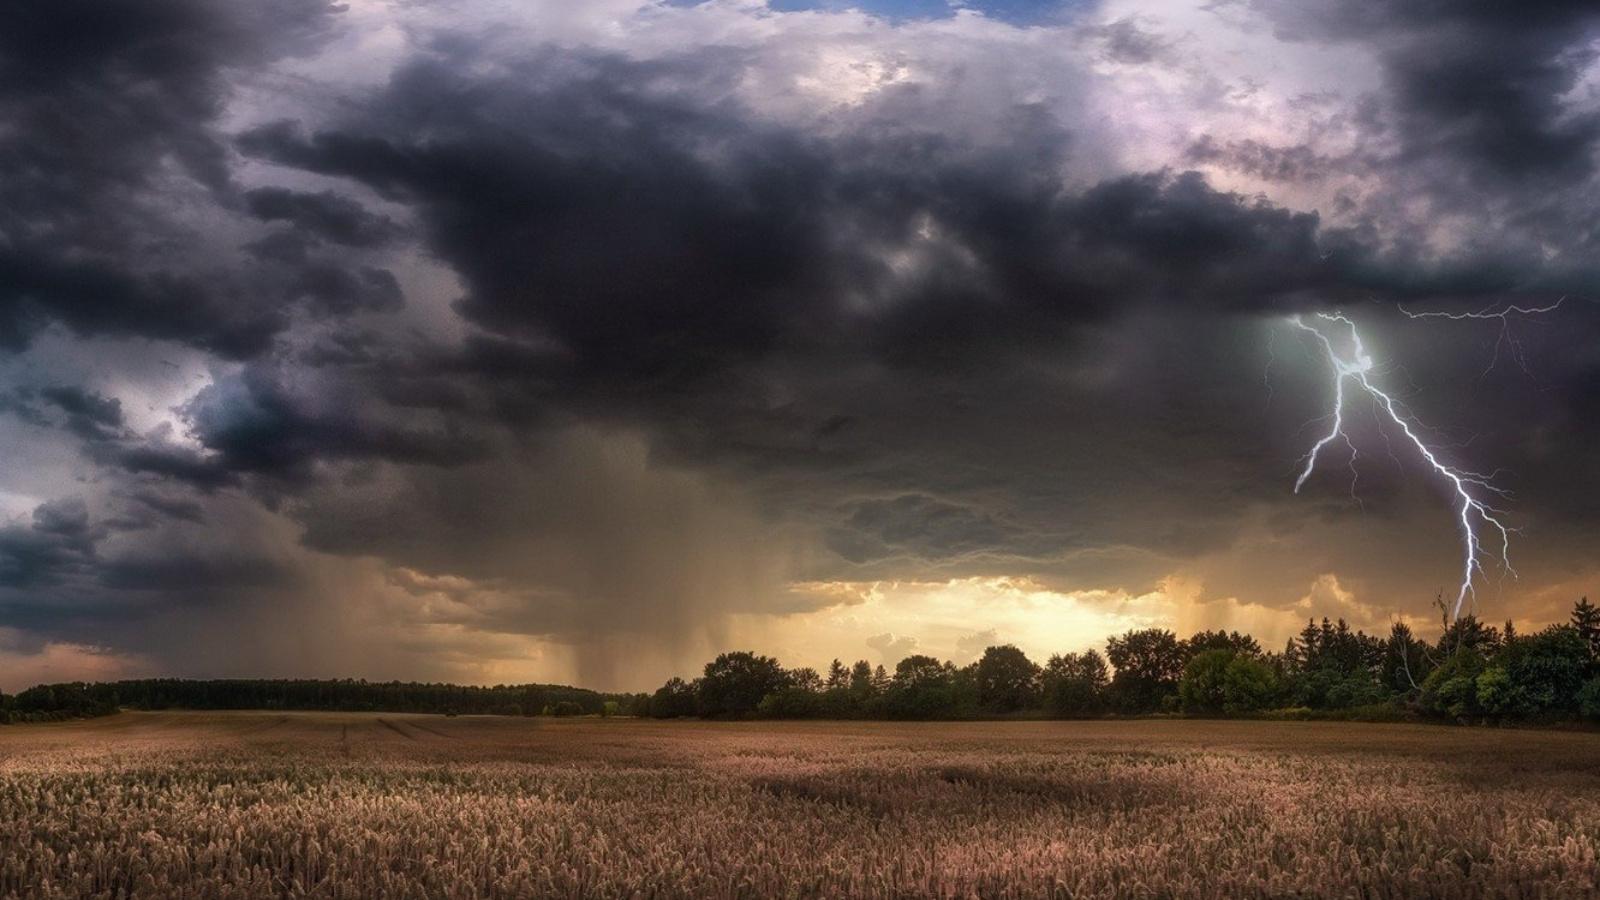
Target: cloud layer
pixel 491 342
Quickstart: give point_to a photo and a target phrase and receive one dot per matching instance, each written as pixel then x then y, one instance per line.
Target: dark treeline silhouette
pixel 1474 673
pixel 53 702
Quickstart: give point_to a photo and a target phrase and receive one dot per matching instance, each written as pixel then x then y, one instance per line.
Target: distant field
pixel 220 805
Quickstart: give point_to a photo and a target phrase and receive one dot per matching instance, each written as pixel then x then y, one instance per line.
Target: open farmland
pixel 177 805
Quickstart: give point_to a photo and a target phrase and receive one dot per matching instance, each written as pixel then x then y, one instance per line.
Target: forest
pixel 55 702
pixel 1473 673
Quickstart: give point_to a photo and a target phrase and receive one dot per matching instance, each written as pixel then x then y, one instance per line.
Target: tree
pixel 1148 663
pixel 861 687
pixel 1202 687
pixel 1588 700
pixel 1586 619
pixel 918 671
pixel 922 688
pixel 1452 688
pixel 1332 666
pixel 880 680
pixel 838 676
pixel 1006 679
pixel 1222 640
pixel 1405 661
pixel 793 702
pixel 674 699
pixel 1075 684
pixel 1538 676
pixel 1467 633
pixel 806 678
pixel 1249 685
pixel 734 684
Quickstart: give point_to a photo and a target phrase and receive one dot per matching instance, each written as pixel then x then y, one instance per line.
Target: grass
pixel 243 805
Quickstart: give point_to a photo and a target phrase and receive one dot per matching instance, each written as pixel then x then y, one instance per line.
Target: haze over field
pixel 578 342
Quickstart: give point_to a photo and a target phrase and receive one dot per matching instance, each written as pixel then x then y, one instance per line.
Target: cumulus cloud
pixel 892 647
pixel 971 646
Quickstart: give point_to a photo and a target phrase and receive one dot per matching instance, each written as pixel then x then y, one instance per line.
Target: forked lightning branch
pixel 1482 526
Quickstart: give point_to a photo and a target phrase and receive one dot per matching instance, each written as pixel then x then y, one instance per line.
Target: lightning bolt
pixel 1507 341
pixel 1353 373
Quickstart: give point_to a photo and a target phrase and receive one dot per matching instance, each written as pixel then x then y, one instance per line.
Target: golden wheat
pixel 361 806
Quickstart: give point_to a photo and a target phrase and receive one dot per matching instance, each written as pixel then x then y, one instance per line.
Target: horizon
pixel 691 674
pixel 576 344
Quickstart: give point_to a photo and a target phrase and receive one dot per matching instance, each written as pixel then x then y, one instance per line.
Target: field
pixel 179 805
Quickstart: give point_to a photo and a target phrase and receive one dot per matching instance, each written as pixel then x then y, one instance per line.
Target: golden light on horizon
pixel 955 619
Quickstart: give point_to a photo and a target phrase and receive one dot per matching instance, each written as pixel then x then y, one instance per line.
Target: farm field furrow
pixel 243 805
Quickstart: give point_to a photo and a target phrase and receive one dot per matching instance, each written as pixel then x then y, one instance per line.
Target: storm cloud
pixel 569 343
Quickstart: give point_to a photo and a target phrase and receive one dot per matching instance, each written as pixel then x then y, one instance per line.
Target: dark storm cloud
pixel 661 264
pixel 89 415
pixel 702 351
pixel 877 529
pixel 59 543
pixel 651 260
pixel 200 572
pixel 330 216
pixel 335 291
pixel 39 285
pixel 178 463
pixel 661 241
pixel 1481 83
pixel 112 145
pixel 172 507
pixel 256 424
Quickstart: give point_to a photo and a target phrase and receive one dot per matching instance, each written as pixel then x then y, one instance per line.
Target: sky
pixel 577 342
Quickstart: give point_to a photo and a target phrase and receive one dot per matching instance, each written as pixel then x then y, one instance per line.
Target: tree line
pixel 54 702
pixel 1473 673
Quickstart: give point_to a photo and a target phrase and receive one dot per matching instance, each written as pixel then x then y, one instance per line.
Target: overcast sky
pixel 542 340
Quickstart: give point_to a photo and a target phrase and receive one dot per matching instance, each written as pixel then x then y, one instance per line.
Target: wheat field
pixel 243 805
